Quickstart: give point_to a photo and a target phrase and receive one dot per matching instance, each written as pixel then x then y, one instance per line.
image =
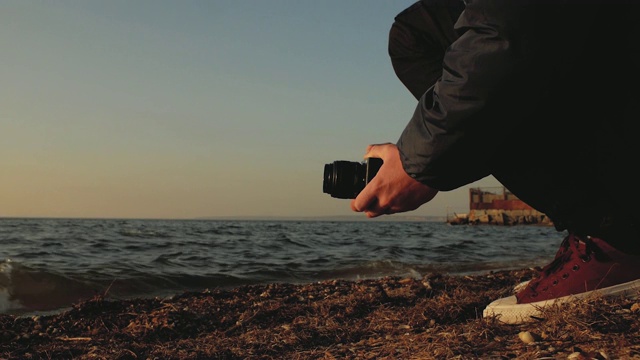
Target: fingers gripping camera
pixel 345 179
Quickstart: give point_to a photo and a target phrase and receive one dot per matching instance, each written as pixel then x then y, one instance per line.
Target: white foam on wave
pixel 6 302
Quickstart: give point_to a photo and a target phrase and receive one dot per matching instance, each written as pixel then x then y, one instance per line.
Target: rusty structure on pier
pixel 497 206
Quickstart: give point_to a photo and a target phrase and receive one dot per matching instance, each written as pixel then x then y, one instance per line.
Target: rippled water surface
pixel 47 264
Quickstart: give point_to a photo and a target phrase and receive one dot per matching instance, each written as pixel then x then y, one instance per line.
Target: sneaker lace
pixel 570 246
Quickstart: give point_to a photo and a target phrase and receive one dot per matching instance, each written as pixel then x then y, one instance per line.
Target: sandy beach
pixel 433 317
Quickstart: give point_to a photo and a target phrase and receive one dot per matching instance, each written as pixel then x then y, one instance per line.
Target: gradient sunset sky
pixel 184 109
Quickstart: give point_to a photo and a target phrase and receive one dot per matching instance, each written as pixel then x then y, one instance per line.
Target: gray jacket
pixel 532 93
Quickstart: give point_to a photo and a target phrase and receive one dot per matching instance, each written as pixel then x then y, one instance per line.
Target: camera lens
pixel 344 179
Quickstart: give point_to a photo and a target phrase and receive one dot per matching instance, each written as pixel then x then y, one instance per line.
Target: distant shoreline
pixel 344 218
pixel 349 218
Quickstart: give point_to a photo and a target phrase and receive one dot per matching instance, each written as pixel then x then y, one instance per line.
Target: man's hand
pixel 392 190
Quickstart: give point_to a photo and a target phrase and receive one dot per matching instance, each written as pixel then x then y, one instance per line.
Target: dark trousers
pixel 576 165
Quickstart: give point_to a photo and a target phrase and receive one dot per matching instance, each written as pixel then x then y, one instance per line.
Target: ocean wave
pixel 148 258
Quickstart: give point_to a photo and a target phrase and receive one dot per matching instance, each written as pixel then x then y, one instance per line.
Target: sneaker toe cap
pixel 507 310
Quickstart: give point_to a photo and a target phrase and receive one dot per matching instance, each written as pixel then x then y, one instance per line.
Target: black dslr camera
pixel 345 179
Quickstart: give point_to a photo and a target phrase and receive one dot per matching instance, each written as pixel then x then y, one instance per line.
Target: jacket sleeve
pixel 418 39
pixel 458 116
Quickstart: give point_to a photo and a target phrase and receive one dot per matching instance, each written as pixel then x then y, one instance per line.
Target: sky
pixel 190 109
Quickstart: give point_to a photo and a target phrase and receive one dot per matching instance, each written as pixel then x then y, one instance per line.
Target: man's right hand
pixel 392 190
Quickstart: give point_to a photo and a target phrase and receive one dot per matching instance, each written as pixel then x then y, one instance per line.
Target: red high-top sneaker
pixel 582 266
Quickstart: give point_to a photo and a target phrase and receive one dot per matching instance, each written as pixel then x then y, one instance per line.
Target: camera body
pixel 345 179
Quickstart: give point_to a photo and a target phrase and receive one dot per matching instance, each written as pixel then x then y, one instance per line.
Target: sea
pixel 47 265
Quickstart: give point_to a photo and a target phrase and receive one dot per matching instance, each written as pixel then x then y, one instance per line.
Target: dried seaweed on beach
pixel 433 317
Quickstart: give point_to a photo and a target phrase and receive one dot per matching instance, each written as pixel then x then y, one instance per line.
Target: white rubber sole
pixel 508 311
